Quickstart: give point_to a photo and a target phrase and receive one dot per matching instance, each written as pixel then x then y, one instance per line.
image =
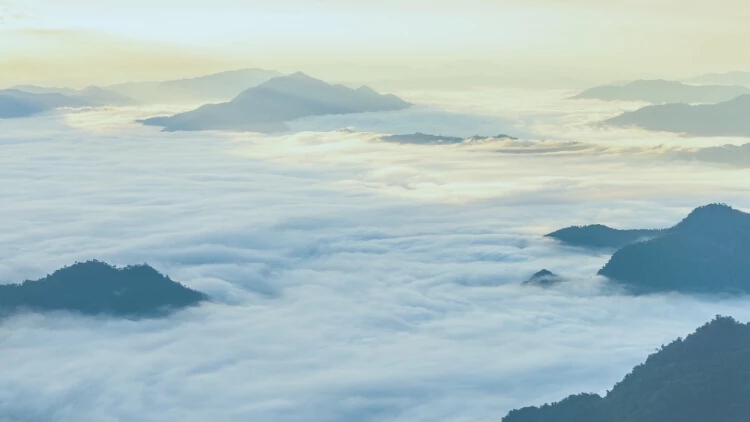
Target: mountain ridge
pixel 704 253
pixel 266 107
pixel 15 103
pixel 97 288
pixel 91 95
pixel 600 236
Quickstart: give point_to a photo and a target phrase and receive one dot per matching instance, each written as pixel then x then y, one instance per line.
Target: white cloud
pixel 355 279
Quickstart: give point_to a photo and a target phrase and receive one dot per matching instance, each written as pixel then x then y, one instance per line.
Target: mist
pixel 350 278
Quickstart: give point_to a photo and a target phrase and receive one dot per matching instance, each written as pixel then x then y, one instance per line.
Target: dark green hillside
pixel 703 378
pixel 708 252
pixel 600 236
pixel 94 288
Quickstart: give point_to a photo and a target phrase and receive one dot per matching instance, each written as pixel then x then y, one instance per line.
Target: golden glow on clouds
pixel 112 41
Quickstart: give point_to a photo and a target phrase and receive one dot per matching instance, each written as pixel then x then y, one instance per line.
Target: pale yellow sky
pixel 78 42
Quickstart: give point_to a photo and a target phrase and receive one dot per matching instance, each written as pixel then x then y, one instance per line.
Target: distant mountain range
pixel 266 107
pixel 729 78
pixel 15 103
pixel 216 87
pixel 729 118
pixel 90 96
pixel 600 236
pixel 701 378
pixel 661 92
pixel 96 288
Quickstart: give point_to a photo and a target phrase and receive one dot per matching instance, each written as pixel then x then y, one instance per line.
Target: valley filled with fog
pixel 350 278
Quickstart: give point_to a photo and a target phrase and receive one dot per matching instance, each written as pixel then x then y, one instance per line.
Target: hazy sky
pixel 87 41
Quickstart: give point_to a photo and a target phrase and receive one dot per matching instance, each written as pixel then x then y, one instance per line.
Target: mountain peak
pixel 711 216
pixel 294 83
pixel 705 253
pixel 298 75
pixel 712 209
pixel 96 268
pixel 366 89
pixel 543 273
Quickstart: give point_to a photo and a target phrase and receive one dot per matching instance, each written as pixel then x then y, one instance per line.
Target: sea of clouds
pixel 352 279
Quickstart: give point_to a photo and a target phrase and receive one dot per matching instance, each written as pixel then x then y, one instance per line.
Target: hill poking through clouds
pixel 544 278
pixel 266 107
pixel 701 378
pixel 705 253
pixel 96 288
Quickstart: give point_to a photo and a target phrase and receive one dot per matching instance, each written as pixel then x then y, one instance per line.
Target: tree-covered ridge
pixel 94 288
pixel 707 252
pixel 600 236
pixel 705 377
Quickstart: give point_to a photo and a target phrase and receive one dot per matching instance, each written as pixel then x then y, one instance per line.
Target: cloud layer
pixel 353 279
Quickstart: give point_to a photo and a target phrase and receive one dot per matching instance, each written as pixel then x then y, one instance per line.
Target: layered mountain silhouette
pixel 729 118
pixel 705 253
pixel 544 278
pixel 661 92
pixel 15 103
pixel 701 378
pixel 216 87
pixel 735 155
pixel 729 78
pixel 266 107
pixel 599 236
pixel 96 288
pixel 91 96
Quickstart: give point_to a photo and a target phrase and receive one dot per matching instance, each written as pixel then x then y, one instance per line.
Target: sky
pixel 100 42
